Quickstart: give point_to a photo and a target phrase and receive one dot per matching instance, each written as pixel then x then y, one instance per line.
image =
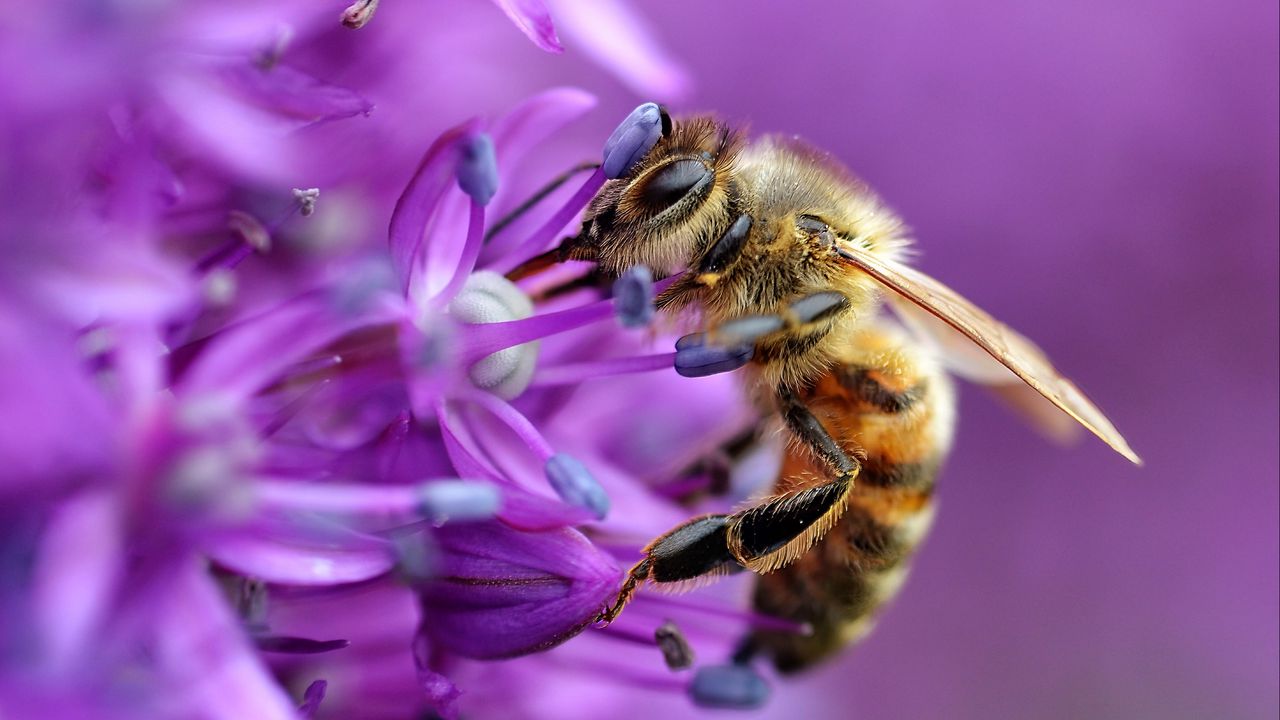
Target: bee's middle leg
pixel 776 532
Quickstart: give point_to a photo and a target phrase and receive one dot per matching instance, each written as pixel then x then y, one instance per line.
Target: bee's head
pixel 665 204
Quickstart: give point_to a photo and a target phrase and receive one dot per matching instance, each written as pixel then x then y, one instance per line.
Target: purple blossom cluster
pixel 279 439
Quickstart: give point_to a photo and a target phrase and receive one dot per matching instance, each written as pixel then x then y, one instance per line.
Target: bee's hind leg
pixel 698 548
pixel 776 532
pixel 761 538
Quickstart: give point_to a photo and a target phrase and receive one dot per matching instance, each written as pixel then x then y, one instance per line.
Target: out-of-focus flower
pixel 235 414
pixel 609 31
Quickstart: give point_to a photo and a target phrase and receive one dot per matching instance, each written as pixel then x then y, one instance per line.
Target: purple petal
pixel 421 199
pixel 200 644
pixel 532 18
pixel 515 135
pixel 521 509
pixel 537 119
pixel 291 556
pixel 501 592
pixel 117 282
pixel 623 42
pixel 458 445
pixel 524 510
pixel 292 93
pixel 65 428
pixel 441 692
pixel 250 356
pixel 79 564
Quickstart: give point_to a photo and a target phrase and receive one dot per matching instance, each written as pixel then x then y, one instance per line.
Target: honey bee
pixel 786 259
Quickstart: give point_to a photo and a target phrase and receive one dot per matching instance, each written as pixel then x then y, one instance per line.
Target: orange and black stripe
pixel 888 405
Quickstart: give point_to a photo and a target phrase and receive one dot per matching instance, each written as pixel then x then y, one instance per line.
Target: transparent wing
pixel 1012 350
pixel 960 357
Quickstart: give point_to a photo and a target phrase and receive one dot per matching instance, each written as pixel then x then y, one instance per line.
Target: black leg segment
pixel 777 532
pixel 806 311
pixel 811 432
pixel 727 249
pixel 693 550
pixel 767 528
pixel 690 551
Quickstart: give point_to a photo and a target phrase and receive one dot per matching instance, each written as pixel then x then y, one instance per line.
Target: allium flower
pixel 264 461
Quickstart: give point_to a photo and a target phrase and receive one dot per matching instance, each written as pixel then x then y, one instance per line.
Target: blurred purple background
pixel 1103 176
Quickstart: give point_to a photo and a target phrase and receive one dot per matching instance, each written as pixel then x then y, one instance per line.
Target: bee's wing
pixel 962 358
pixel 1012 350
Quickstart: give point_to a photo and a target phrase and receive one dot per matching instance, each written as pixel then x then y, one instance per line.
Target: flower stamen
pixel 477 169
pixel 633 139
pixel 634 293
pixel 541 238
pixel 485 339
pixel 735 687
pixel 311 699
pixel 573 373
pixel 359 13
pixel 439 500
pixel 306 200
pixel 676 651
pixel 576 485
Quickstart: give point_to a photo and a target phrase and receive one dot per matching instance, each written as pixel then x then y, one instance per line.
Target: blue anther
pixel 633 297
pixel 729 686
pixel 478 168
pixel 458 500
pixel 575 485
pixel 633 138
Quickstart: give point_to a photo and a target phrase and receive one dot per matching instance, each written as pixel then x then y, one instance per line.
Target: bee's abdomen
pixel 890 405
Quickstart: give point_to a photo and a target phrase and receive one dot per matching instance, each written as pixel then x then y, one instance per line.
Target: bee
pixel 786 259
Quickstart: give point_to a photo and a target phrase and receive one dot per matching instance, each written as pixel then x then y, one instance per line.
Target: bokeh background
pixel 1103 176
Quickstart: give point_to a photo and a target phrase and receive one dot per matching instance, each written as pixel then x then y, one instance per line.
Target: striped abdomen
pixel 890 405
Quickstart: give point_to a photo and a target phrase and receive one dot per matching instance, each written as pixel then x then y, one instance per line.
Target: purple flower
pixel 502 593
pixel 269 460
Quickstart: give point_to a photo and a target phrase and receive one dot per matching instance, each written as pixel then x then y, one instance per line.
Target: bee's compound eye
pixel 674 181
